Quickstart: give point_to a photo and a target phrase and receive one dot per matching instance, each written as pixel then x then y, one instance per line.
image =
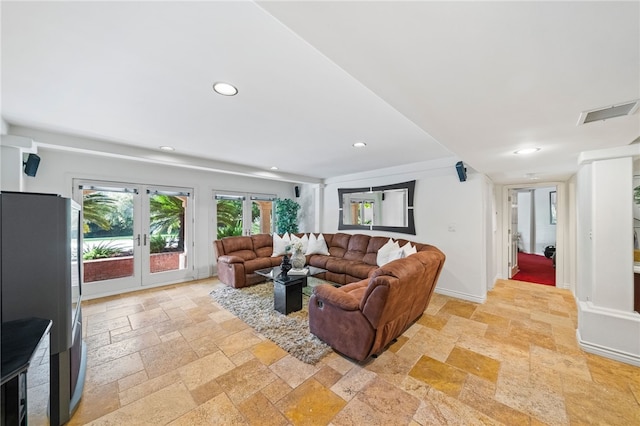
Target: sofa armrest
pixel 326 293
pixel 230 259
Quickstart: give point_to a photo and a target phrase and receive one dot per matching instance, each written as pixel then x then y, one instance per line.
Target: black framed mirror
pixel 378 208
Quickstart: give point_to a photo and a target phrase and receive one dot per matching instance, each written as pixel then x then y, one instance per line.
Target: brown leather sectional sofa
pixel 376 305
pixel 352 257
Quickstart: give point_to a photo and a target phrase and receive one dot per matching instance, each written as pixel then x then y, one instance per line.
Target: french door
pixel 134 235
pixel 241 213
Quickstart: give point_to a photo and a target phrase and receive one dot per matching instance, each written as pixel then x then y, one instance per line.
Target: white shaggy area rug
pixel 254 305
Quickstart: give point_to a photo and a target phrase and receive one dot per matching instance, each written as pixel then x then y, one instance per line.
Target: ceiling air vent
pixel 606 113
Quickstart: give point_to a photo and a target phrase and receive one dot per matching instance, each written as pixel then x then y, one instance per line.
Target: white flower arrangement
pixel 295 246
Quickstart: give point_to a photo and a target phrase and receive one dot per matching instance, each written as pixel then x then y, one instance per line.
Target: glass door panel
pixel 261 216
pixel 240 213
pixel 110 237
pixel 167 230
pixel 229 215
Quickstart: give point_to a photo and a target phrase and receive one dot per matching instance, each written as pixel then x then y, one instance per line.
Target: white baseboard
pixel 495 280
pixel 204 272
pixel 461 295
pixel 133 289
pixel 606 352
pixel 607 332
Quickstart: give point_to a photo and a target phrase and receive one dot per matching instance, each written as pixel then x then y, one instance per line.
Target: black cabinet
pixel 20 338
pixel 287 294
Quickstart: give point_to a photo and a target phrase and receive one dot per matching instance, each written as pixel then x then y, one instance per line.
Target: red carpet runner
pixel 535 269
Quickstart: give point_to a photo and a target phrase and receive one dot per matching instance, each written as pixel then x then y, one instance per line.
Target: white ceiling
pixel 416 81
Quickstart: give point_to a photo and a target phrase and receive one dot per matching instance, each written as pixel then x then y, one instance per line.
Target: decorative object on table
pixel 296 271
pixel 298 258
pixel 286 215
pixel 285 266
pixel 254 305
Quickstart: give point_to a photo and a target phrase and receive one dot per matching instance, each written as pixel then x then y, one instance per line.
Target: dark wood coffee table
pixel 287 290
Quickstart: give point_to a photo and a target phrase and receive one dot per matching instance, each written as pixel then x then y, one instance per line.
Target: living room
pixel 467 220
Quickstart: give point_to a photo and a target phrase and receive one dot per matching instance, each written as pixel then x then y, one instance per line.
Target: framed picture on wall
pixel 552 207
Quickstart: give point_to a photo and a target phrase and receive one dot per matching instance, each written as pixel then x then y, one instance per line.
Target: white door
pixel 134 235
pixel 167 254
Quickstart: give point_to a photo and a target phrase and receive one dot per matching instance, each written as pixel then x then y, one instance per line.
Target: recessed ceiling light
pixel 225 89
pixel 359 144
pixel 527 151
pixel 167 148
pixel 274 168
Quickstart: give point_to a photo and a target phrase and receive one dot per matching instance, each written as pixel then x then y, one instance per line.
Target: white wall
pixel 545 232
pixel 451 215
pixel 307 217
pixel 490 232
pixel 460 218
pixel 524 220
pixel 58 169
pixel 11 176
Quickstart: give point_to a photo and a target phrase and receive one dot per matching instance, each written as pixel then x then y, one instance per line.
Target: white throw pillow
pixel 304 240
pixel 317 245
pixel 409 250
pixel 280 244
pixel 396 254
pixel 383 253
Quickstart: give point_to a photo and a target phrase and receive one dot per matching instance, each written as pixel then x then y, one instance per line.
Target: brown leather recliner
pixel 240 257
pixel 360 319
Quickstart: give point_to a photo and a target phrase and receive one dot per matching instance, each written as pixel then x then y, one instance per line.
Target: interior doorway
pixel 532 233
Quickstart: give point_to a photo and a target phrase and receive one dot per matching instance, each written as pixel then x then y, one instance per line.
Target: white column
pixel 612 233
pixel 607 324
pixel 11 177
pixel 12 149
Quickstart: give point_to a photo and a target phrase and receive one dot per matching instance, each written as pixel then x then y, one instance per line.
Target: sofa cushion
pixel 372 249
pixel 339 245
pixel 385 251
pixel 395 255
pixel 359 270
pixel 408 250
pixel 336 265
pixel 243 254
pixel 235 244
pixel 319 260
pixel 262 245
pixel 317 245
pixel 280 244
pixel 357 247
pixel 356 290
pixel 250 266
pixel 304 240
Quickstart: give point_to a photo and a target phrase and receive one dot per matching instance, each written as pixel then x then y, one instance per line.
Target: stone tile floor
pixel 171 356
